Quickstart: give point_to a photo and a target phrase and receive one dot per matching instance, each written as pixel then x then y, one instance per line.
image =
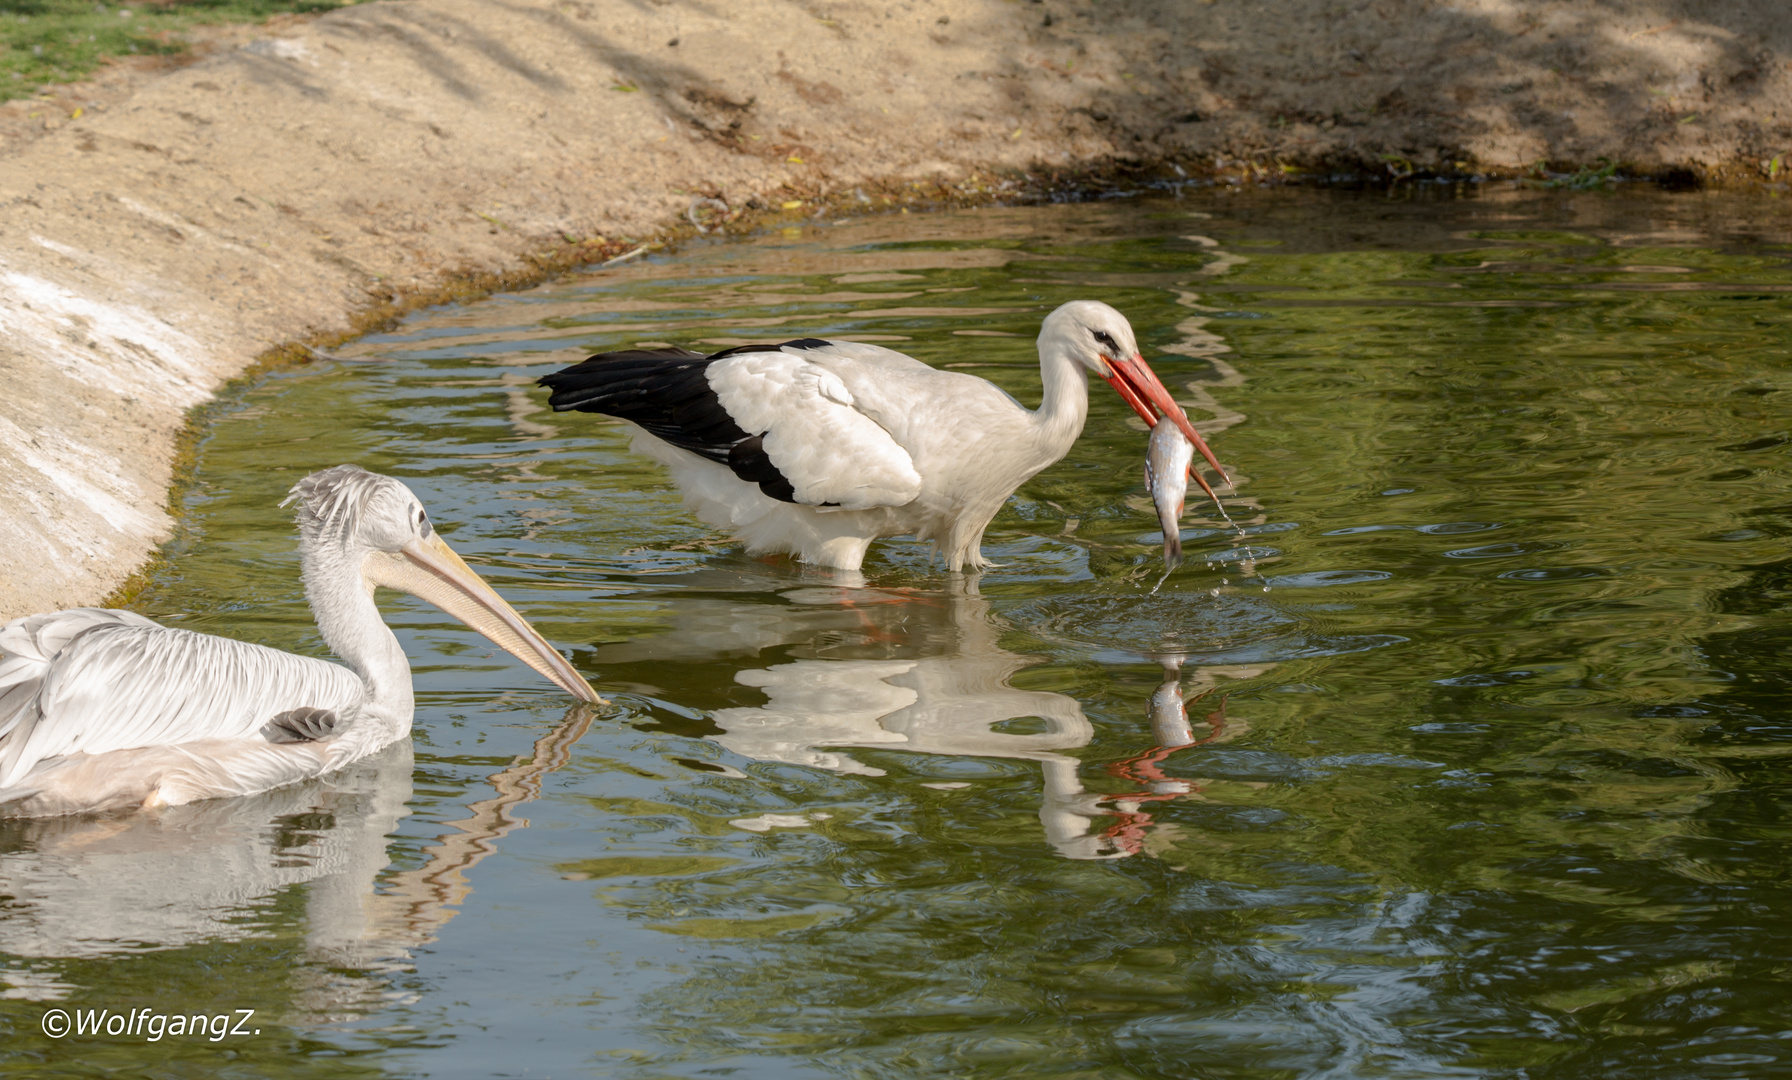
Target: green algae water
pixel 1485 768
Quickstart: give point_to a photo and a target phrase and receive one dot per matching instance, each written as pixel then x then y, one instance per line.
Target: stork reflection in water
pixel 103 709
pixel 911 672
pixel 954 706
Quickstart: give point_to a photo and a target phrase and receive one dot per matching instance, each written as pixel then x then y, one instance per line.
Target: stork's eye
pixel 1102 337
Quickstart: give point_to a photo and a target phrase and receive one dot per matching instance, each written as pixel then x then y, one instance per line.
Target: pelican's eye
pixel 423 526
pixel 1102 337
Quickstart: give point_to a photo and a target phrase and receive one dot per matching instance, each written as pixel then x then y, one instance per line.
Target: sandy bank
pixel 184 223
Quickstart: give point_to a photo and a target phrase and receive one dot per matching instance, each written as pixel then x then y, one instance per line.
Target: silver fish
pixel 1167 459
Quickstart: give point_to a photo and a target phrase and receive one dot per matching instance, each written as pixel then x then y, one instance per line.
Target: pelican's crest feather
pixel 332 501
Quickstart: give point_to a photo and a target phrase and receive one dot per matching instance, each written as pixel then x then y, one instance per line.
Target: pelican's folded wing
pixel 26 646
pixel 91 681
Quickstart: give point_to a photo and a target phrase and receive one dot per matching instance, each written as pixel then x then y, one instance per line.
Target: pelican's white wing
pixel 815 432
pixel 90 680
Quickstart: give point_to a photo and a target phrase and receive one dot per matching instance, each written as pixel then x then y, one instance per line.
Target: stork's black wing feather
pixel 667 392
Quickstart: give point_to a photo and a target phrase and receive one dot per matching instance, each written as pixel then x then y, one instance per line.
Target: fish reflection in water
pixel 1168 708
pixel 1172 730
pixel 181 876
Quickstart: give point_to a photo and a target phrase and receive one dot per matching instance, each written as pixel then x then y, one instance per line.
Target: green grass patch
pixel 1586 178
pixel 43 42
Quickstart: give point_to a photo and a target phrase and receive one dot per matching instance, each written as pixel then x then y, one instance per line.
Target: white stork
pixel 103 709
pixel 816 448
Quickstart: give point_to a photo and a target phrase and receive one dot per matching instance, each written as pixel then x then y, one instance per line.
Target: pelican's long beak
pixel 1140 387
pixel 430 569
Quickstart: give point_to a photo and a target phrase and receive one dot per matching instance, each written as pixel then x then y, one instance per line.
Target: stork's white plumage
pixel 816 448
pixel 102 709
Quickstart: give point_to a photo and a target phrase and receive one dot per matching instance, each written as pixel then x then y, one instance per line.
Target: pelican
pixel 103 709
pixel 816 448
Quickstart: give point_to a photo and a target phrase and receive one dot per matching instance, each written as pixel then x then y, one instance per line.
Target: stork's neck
pixel 353 629
pixel 1065 404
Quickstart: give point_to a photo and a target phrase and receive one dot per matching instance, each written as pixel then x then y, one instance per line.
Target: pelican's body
pixel 102 709
pixel 816 448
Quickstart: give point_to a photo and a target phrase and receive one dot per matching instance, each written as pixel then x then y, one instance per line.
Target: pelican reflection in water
pixel 210 871
pixel 103 709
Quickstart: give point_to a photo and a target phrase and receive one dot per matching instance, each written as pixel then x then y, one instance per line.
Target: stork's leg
pixel 967 554
pixel 857 600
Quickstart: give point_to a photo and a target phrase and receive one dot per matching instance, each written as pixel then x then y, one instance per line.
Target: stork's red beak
pixel 1140 387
